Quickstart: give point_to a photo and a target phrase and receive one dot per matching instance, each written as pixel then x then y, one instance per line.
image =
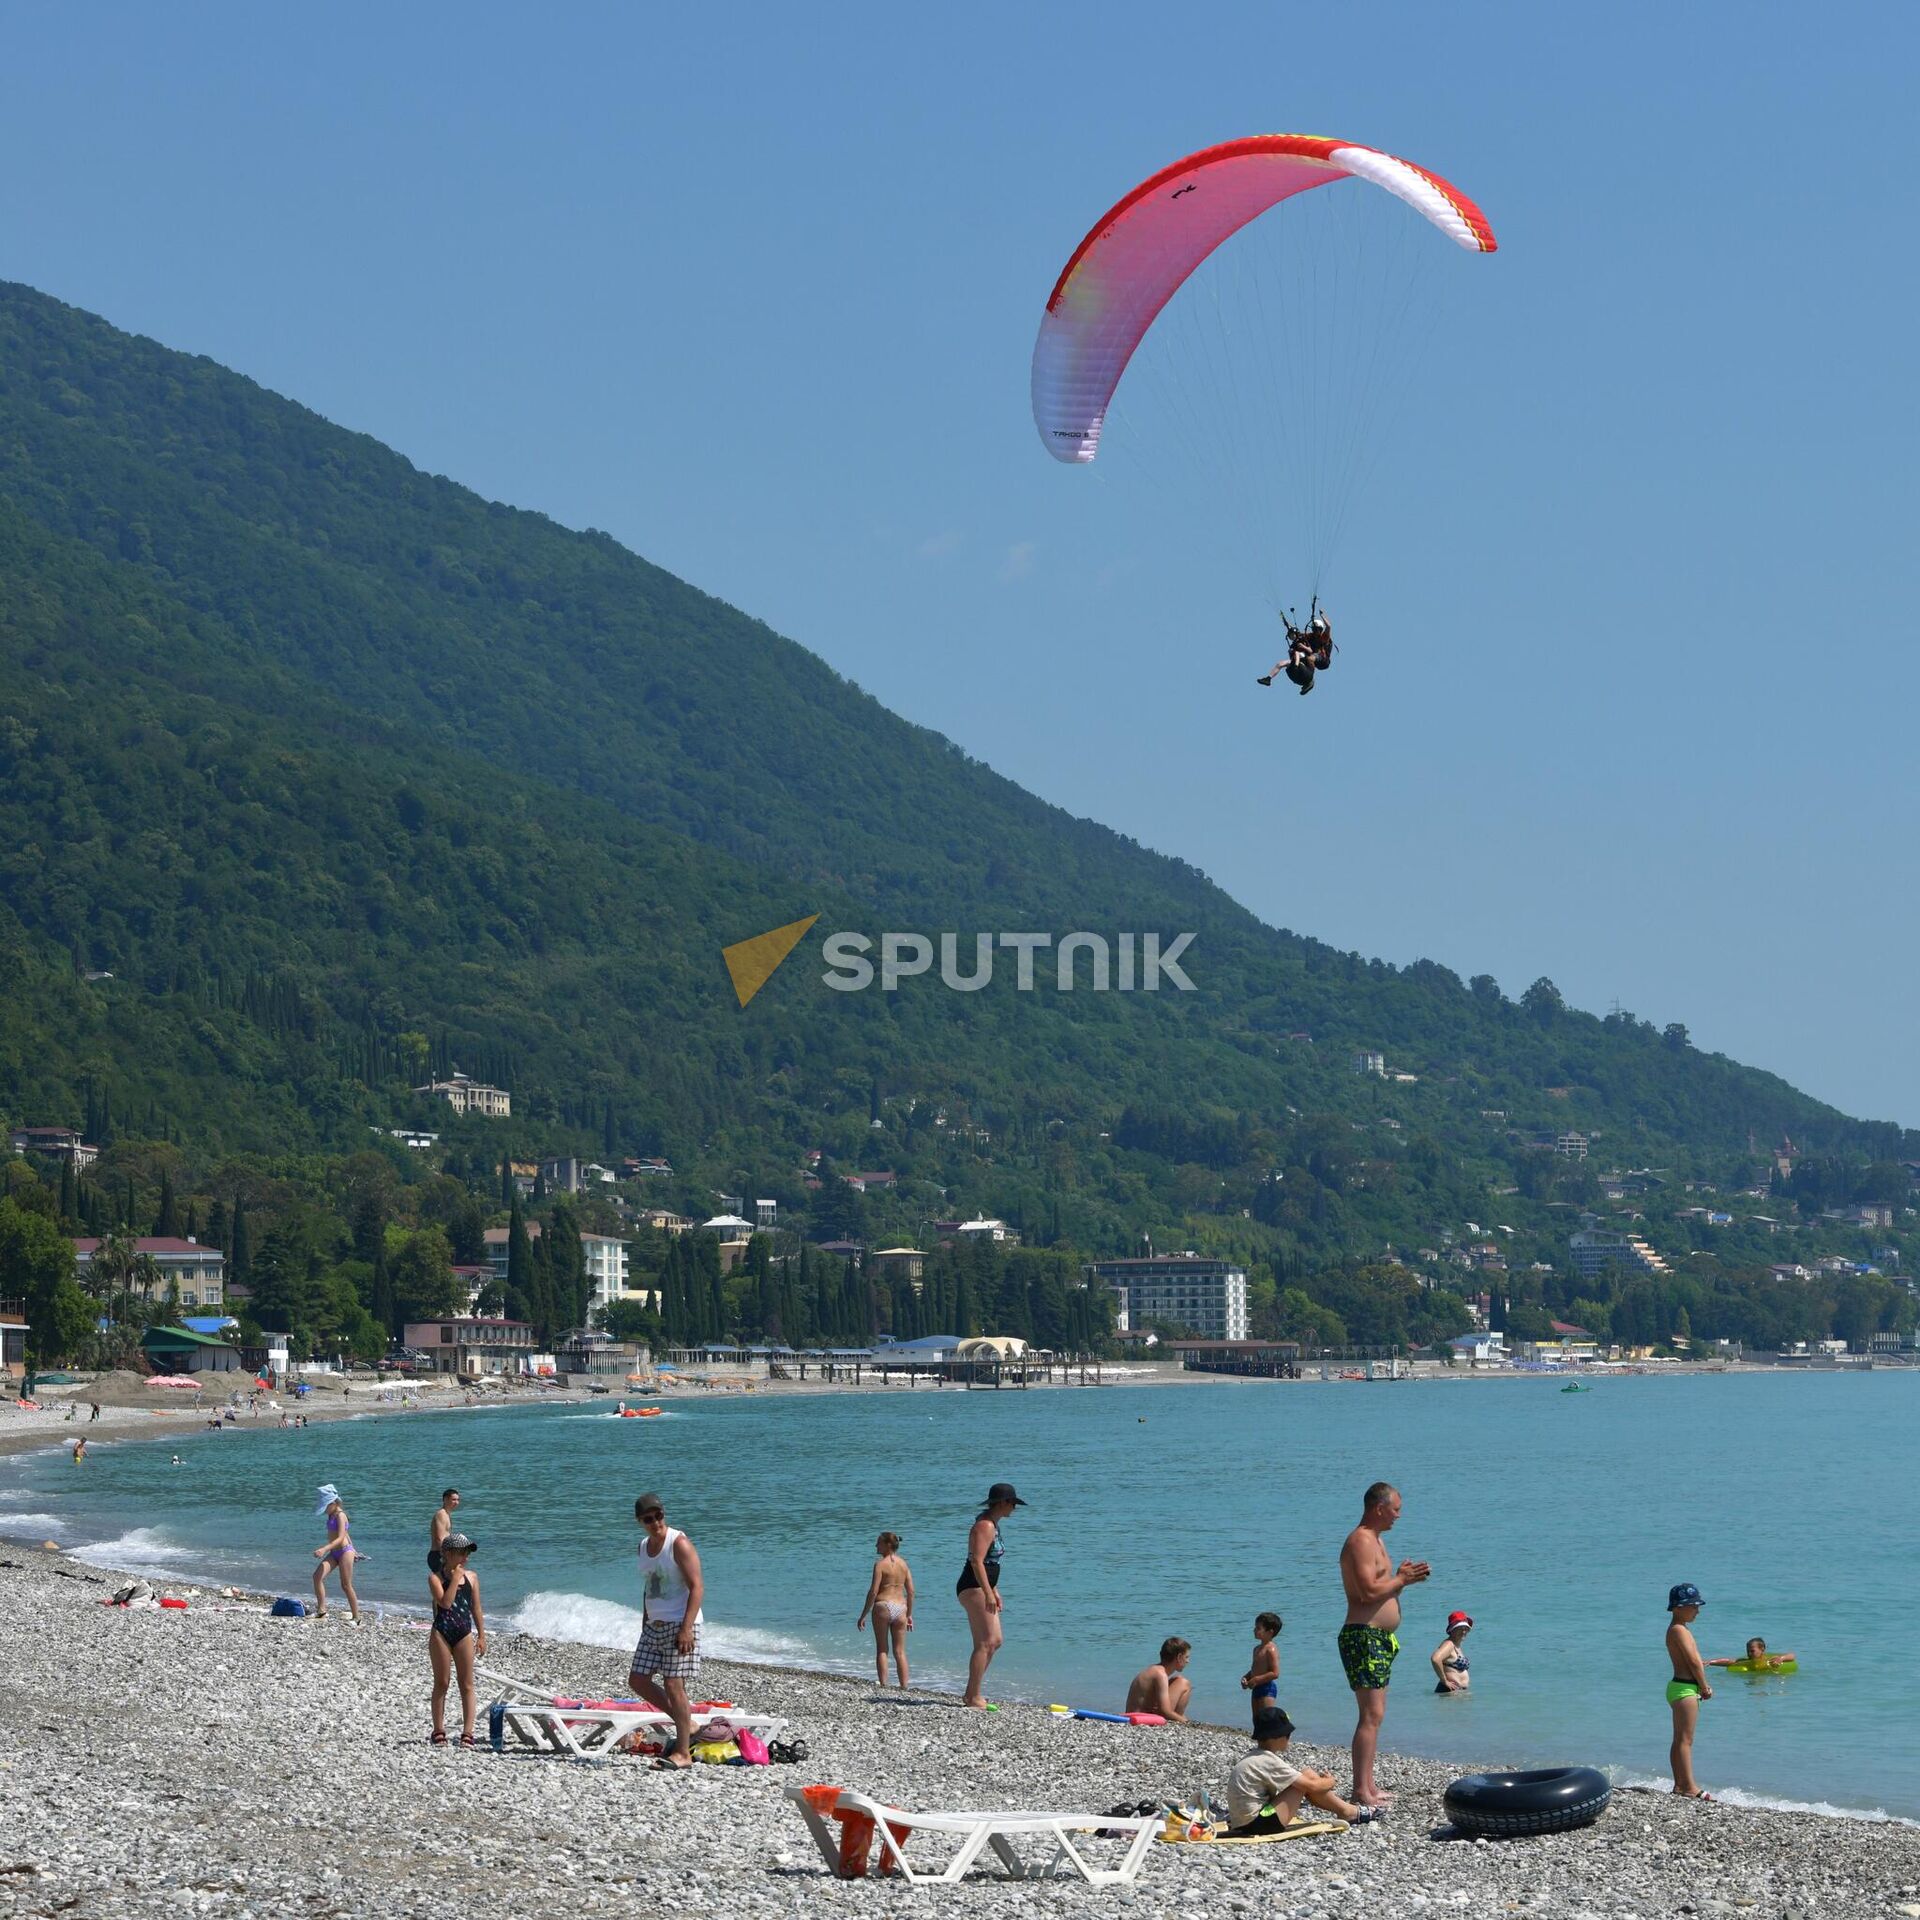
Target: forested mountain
pixel 345 774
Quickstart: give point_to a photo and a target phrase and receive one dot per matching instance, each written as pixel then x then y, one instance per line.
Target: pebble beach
pixel 219 1761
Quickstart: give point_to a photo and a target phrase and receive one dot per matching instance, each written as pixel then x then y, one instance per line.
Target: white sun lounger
pixel 977 1832
pixel 555 1723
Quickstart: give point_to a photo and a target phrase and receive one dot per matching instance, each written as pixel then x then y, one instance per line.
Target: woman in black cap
pixel 979 1587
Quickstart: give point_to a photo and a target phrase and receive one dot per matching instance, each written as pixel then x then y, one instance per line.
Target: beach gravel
pixel 219 1762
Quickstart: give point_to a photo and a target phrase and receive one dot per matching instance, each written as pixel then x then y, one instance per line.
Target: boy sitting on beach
pixel 1262 1677
pixel 1264 1790
pixel 1687 1688
pixel 1163 1687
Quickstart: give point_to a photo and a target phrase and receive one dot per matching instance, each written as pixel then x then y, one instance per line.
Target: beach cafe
pixel 182 1350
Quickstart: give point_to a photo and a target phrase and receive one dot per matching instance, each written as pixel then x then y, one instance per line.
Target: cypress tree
pixel 166 1221
pixel 240 1254
pixel 519 1266
pixel 381 1302
pixel 66 1191
pixel 507 1195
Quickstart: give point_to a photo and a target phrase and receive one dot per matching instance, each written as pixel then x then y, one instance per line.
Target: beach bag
pixel 715 1753
pixel 285 1609
pixel 753 1750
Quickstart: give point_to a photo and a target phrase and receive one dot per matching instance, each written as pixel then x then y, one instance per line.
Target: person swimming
pixel 1758 1659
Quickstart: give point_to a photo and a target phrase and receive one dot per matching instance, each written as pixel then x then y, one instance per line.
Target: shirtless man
pixel 1163 1688
pixel 440 1526
pixel 1368 1642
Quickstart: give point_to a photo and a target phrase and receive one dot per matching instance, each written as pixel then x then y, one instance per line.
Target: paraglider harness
pixel 1310 649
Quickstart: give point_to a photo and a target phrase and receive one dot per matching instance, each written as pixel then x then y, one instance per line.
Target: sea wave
pixel 1776 1803
pixel 144 1550
pixel 37 1523
pixel 589 1621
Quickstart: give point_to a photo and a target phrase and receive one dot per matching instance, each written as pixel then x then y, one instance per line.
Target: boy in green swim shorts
pixel 1687 1688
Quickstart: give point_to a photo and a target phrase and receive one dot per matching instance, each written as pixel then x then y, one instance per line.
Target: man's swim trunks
pixel 1368 1655
pixel 1681 1690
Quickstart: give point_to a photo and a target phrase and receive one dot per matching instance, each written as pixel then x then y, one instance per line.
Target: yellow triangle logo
pixel 752 962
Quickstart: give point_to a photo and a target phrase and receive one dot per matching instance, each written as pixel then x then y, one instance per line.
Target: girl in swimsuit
pixel 338 1555
pixel 978 1588
pixel 1449 1658
pixel 890 1601
pixel 459 1634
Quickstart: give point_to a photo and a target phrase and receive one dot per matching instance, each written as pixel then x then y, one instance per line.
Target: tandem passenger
pixel 1369 1641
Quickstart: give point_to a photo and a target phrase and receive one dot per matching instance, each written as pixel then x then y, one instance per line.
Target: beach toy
pixel 1146 1719
pixel 1547 1800
pixel 177 1606
pixel 1089 1713
pixel 1763 1666
pixel 1056 1709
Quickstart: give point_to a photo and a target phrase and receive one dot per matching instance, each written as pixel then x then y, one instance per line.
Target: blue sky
pixel 1627 613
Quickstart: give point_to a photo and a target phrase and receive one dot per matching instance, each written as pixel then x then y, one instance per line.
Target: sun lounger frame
pixel 594 1734
pixel 980 1832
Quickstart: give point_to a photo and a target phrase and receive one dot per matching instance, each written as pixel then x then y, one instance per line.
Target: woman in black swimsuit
pixel 979 1587
pixel 459 1633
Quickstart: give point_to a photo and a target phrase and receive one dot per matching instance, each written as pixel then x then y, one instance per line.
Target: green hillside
pixel 345 774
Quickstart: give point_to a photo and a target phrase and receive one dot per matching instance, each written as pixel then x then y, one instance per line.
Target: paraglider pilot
pixel 1309 650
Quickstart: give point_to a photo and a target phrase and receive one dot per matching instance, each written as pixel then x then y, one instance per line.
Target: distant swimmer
pixel 1687 1688
pixel 79 1452
pixel 1310 650
pixel 890 1602
pixel 1449 1658
pixel 1758 1659
pixel 1164 1688
pixel 1262 1677
pixel 1370 1642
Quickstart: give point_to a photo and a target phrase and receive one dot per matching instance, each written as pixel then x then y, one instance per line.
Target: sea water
pixel 1557 1521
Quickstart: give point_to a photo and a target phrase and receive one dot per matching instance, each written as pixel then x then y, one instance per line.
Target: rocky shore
pixel 217 1761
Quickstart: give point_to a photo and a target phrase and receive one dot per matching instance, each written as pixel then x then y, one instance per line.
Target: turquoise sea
pixel 1558 1521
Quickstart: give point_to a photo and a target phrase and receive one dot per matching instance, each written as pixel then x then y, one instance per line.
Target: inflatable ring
pixel 1548 1800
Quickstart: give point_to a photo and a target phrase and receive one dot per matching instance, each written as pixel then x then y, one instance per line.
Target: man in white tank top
pixel 668 1655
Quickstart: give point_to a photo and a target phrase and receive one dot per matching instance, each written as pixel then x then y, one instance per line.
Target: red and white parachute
pixel 1141 252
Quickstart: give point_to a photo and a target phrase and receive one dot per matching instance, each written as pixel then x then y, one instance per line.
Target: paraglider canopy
pixel 1139 253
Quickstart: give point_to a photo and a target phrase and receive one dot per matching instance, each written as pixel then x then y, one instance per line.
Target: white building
pixel 606 1267
pixel 1207 1297
pixel 1366 1060
pixel 765 1214
pixel 1594 1250
pixel 469 1096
